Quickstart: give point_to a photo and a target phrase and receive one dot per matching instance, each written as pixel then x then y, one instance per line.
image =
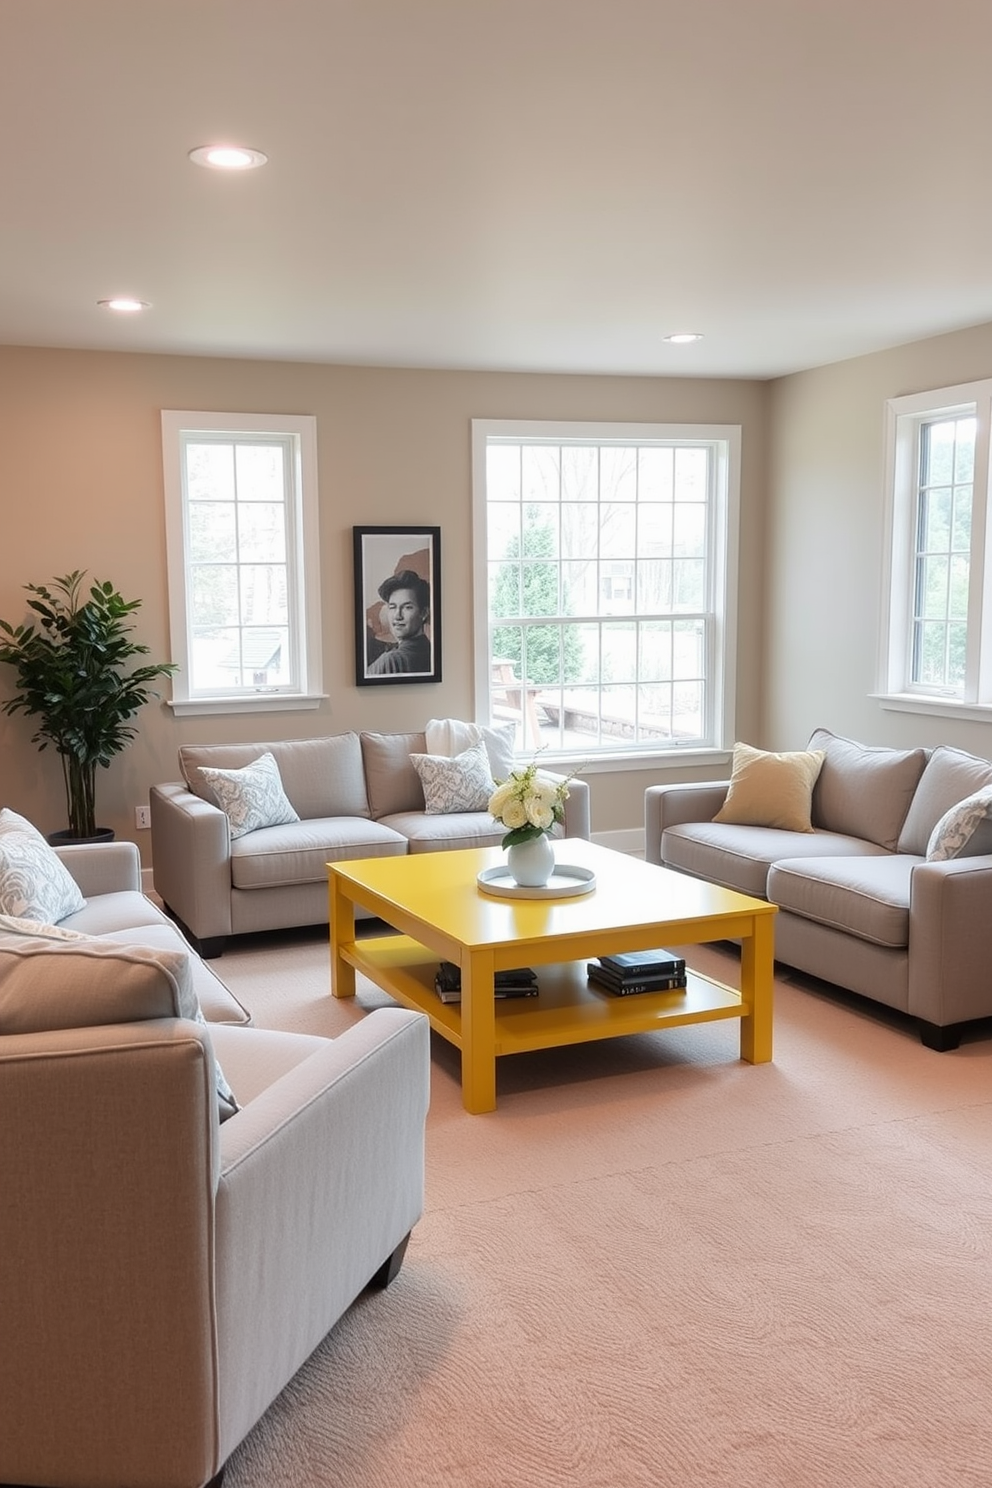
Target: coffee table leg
pixel 478 1015
pixel 757 989
pixel 342 922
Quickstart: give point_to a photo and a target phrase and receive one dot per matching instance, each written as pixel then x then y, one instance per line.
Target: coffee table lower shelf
pixel 568 1009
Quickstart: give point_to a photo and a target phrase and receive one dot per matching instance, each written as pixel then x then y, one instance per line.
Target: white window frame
pixel 721 661
pixel 896 690
pixel 303 559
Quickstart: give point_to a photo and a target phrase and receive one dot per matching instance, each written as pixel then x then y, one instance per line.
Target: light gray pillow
pixel 34 882
pixel 864 790
pixel 950 776
pixel 963 831
pixel 252 797
pixel 321 776
pixel 52 978
pixel 463 782
pixel 390 777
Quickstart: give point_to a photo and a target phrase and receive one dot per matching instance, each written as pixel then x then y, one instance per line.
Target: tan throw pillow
pixel 771 790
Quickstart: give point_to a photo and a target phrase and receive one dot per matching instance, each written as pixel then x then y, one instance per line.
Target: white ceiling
pixel 536 185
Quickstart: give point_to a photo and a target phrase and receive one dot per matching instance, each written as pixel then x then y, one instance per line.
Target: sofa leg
pixel 208 950
pixel 942 1038
pixel 389 1270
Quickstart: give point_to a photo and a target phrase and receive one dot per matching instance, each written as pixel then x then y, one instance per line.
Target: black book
pixel 643 963
pixel 517 981
pixel 624 986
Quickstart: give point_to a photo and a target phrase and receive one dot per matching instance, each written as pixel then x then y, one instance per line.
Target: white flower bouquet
pixel 528 804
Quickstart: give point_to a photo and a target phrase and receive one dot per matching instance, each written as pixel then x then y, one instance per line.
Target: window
pixel 935 651
pixel 605 585
pixel 244 582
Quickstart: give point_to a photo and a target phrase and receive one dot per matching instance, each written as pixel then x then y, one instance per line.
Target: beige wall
pixel 81 483
pixel 824 527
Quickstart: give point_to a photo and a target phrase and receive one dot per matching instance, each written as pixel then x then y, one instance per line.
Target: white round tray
pixel 565 882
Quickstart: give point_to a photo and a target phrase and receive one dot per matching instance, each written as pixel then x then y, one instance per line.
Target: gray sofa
pixel 860 904
pixel 166 1272
pixel 357 796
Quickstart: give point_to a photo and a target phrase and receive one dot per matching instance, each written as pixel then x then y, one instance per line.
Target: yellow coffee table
pixel 434 901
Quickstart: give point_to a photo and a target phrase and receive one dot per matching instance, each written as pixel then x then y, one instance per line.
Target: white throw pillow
pixel 34 882
pixel 52 978
pixel 252 797
pixel 464 783
pixel 955 835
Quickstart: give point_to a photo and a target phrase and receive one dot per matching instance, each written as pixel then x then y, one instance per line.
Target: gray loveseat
pixel 357 796
pixel 166 1272
pixel 859 903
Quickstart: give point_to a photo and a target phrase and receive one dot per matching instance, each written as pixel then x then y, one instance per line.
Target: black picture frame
pixel 385 657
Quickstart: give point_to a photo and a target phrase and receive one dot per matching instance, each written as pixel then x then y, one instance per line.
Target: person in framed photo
pixel 407 606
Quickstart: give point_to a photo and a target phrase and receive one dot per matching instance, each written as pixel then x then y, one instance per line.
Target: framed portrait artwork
pixel 397 605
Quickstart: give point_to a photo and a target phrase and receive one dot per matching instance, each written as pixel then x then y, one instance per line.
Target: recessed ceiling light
pixel 683 338
pixel 227 157
pixel 123 304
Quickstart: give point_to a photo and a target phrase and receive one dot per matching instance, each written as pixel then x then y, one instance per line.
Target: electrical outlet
pixel 142 817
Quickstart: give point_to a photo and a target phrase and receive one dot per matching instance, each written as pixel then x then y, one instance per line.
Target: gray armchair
pixel 163 1274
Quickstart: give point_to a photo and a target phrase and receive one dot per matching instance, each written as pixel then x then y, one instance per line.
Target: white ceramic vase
pixel 531 863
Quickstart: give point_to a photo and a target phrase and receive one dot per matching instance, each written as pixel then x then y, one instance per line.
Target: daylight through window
pixel 937 497
pixel 604 584
pixel 242 600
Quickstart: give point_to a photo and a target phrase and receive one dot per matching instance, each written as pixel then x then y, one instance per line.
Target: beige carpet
pixel 654 1265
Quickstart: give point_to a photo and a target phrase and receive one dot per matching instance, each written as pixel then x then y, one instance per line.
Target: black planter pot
pixel 66 838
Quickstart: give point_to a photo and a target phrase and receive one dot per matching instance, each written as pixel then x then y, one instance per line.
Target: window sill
pixel 603 764
pixel 935 707
pixel 263 703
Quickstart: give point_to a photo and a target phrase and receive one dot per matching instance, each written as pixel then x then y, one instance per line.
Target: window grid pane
pixel 238 579
pixel 615 539
pixel 942 555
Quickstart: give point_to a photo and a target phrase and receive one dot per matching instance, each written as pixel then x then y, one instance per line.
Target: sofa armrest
pixel 108 1156
pixel 950 941
pixel 577 821
pixel 322 1177
pixel 103 867
pixel 191 859
pixel 672 805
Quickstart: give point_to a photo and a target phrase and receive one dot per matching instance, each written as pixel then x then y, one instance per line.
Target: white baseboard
pixel 626 840
pixel 147 881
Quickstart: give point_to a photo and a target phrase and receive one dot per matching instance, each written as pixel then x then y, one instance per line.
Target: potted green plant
pixel 73 673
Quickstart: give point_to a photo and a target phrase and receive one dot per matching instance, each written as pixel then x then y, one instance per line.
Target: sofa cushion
pixel 34 882
pixel 252 797
pixel 53 978
pixel 299 854
pixel 867 896
pixel 740 857
pixel 321 777
pixel 960 828
pixel 863 790
pixel 391 781
pixel 423 833
pixel 771 790
pixel 949 777
pixel 461 783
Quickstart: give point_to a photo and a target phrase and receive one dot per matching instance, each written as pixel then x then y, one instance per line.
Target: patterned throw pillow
pixel 957 827
pixel 462 783
pixel 34 882
pixel 252 797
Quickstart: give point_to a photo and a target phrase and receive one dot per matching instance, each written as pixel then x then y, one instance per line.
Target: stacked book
pixel 521 981
pixel 638 971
